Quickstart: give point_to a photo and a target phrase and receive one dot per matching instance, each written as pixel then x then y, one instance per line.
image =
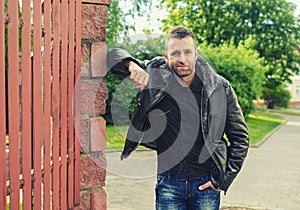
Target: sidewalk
pixel 270 178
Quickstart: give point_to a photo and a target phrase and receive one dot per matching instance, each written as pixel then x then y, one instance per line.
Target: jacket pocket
pixel 218 166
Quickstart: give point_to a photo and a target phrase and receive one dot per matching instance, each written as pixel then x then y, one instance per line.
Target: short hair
pixel 179 32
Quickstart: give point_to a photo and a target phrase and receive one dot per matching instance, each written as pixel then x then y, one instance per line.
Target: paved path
pixel 270 178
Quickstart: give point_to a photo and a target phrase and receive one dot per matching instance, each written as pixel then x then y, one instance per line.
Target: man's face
pixel 181 56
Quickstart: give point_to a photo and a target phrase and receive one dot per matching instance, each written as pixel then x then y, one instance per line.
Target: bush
pixel 122 93
pixel 242 67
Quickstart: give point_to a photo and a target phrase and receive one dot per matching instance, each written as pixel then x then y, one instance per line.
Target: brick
pixel 107 2
pixel 97 134
pixel 101 96
pixel 94 18
pixel 98 59
pixel 92 170
pixel 98 200
pixel 93 94
pixel 84 135
pixel 85 57
pixel 84 201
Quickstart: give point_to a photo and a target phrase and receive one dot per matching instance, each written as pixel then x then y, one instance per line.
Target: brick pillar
pixel 93 95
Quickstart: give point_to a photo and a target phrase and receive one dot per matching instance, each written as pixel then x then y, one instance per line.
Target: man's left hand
pixel 207 185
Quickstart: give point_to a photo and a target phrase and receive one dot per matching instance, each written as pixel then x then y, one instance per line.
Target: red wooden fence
pixel 40 55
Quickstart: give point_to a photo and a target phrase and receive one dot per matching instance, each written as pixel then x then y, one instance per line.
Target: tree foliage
pixel 276 95
pixel 143 50
pixel 121 18
pixel 271 23
pixel 116 103
pixel 241 66
pixel 225 27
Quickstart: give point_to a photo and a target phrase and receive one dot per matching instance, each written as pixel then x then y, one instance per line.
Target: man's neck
pixel 185 81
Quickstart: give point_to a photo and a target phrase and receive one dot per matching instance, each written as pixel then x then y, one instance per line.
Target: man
pixel 188 114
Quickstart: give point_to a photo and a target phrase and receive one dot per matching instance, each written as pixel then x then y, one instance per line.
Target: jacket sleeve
pixel 237 135
pixel 117 60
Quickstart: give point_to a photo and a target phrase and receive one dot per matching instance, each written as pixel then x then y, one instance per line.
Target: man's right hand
pixel 138 75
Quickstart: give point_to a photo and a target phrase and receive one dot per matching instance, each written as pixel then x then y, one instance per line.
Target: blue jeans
pixel 181 194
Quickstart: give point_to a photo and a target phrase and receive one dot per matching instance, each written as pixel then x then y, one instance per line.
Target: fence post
pixel 93 93
pixel 2 111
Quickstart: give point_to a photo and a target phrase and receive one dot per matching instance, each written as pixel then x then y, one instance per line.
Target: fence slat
pixel 64 107
pixel 37 101
pixel 2 111
pixel 47 105
pixel 71 74
pixel 45 141
pixel 56 103
pixel 77 102
pixel 13 104
pixel 26 104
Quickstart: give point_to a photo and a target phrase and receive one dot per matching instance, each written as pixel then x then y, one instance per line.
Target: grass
pixel 283 111
pixel 115 137
pixel 8 203
pixel 259 124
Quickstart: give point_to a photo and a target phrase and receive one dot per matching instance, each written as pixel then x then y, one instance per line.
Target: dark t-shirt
pixel 181 145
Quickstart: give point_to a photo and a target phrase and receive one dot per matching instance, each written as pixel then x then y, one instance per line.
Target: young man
pixel 184 110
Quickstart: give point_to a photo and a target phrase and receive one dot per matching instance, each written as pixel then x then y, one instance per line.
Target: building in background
pixel 294 89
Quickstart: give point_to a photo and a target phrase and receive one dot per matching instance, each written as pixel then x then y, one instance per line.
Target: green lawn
pixel 283 111
pixel 259 124
pixel 115 137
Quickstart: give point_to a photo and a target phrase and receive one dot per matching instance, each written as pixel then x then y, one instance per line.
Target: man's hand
pixel 207 185
pixel 137 75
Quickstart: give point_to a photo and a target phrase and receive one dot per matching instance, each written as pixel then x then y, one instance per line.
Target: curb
pixel 121 150
pixel 268 135
pixel 243 207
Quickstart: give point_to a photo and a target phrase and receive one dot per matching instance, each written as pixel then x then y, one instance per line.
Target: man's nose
pixel 181 58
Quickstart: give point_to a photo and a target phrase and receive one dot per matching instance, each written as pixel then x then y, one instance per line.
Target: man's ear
pixel 165 54
pixel 197 52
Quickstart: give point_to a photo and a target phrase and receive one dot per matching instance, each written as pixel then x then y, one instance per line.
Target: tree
pixel 119 14
pixel 270 22
pixel 117 30
pixel 242 67
pixel 276 95
pixel 146 49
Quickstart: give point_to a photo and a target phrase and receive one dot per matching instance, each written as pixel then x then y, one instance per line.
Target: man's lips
pixel 182 67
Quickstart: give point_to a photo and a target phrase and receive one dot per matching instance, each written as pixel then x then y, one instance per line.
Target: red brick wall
pixel 93 95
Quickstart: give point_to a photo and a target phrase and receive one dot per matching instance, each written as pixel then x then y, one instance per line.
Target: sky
pixel 297 2
pixel 157 14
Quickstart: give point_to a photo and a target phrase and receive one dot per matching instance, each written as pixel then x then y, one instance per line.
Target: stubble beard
pixel 181 73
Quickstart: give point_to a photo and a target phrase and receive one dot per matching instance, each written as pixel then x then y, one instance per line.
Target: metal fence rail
pixel 40 51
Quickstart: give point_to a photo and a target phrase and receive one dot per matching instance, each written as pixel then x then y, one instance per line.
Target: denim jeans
pixel 180 194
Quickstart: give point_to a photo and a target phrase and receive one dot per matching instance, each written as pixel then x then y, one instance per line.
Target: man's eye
pixel 175 53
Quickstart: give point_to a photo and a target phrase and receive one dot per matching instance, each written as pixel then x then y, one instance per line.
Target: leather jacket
pixel 220 114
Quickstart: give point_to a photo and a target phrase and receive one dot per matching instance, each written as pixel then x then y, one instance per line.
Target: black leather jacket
pixel 220 114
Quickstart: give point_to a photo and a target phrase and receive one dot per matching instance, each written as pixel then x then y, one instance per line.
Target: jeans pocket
pixel 211 191
pixel 159 180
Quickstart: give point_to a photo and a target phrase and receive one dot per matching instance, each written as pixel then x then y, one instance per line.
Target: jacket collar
pixel 210 79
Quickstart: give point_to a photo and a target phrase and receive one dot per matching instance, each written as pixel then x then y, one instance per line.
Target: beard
pixel 181 70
